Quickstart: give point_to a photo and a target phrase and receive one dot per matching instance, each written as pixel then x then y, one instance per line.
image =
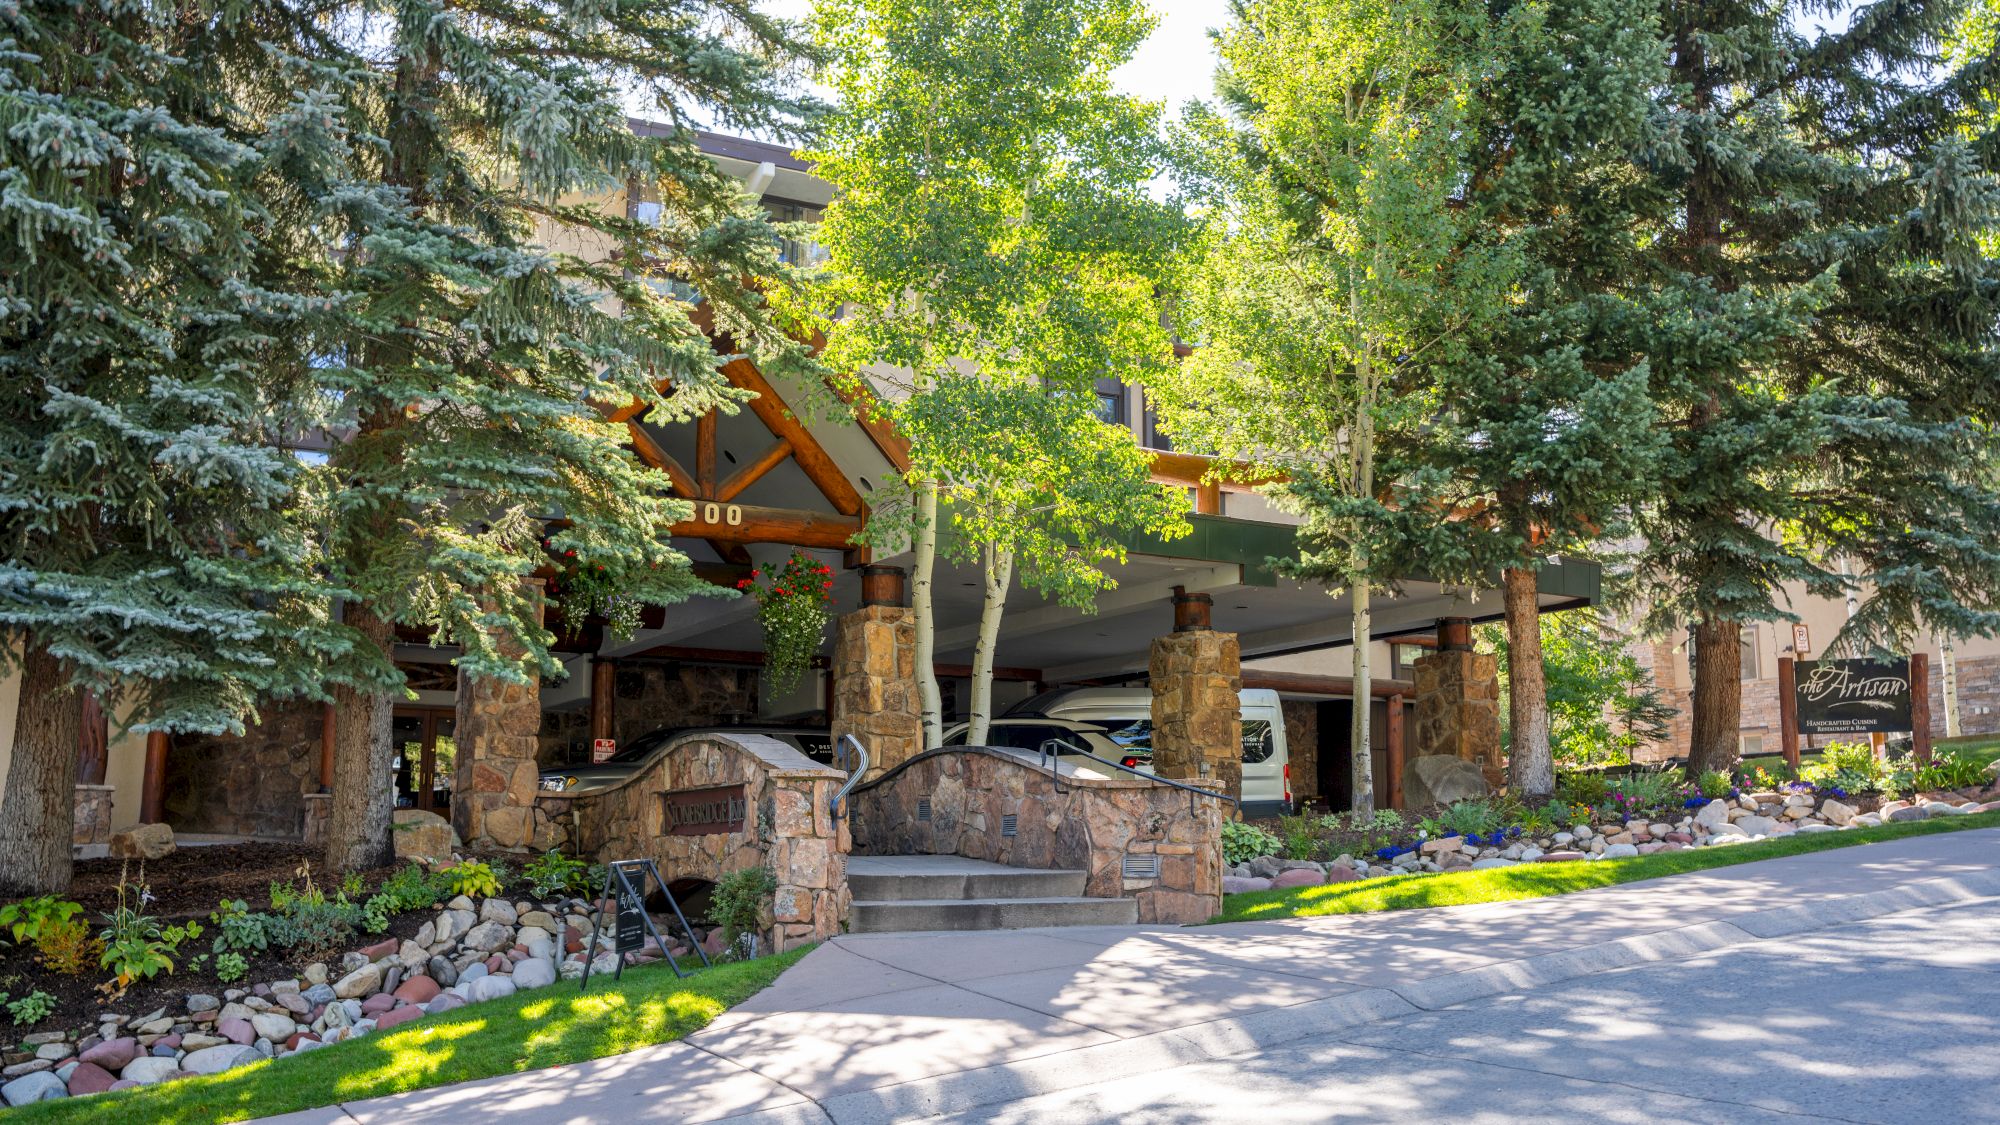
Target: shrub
pixel 238 929
pixel 553 873
pixel 32 1008
pixel 413 888
pixel 1852 767
pixel 230 967
pixel 1947 770
pixel 1298 837
pixel 473 879
pixel 1587 787
pixel 29 918
pixel 1646 791
pixel 1714 784
pixel 133 946
pixel 67 947
pixel 739 901
pixel 1469 818
pixel 1243 842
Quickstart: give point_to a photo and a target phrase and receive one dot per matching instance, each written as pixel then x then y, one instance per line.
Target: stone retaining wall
pixel 253 784
pixel 1091 824
pixel 786 826
pixel 90 833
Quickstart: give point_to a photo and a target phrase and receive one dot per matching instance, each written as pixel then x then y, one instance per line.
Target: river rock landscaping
pixel 453 951
pixel 1593 818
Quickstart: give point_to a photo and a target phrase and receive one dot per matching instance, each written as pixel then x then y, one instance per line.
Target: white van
pixel 1127 713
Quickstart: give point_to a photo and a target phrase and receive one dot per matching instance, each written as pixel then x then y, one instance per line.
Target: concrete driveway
pixel 1827 984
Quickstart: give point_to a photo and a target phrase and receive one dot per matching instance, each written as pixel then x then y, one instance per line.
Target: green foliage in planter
pixel 230 967
pixel 1243 842
pixel 739 900
pixel 553 873
pixel 473 879
pixel 32 1008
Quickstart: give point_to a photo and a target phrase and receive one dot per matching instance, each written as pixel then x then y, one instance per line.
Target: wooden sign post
pixel 1788 710
pixel 1920 707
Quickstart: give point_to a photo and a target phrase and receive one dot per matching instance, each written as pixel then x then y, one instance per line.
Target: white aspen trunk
pixel 924 548
pixel 1362 756
pixel 999 575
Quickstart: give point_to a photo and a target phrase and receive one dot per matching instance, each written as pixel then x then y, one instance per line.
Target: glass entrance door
pixel 425 756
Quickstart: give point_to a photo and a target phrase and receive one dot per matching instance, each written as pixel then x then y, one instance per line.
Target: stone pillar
pixel 90 832
pixel 875 696
pixel 1196 675
pixel 1457 710
pixel 319 814
pixel 496 776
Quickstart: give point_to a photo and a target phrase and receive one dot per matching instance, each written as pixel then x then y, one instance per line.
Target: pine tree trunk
pixel 999 575
pixel 38 812
pixel 1531 768
pixel 364 774
pixel 1718 696
pixel 922 583
pixel 1361 754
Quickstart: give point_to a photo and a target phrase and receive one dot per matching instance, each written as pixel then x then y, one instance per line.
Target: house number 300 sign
pixel 730 515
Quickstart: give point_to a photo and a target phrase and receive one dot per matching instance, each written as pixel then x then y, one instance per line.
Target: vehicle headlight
pixel 569 783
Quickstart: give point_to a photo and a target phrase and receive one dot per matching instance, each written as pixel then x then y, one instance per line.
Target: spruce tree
pixel 469 359
pixel 1821 336
pixel 1543 434
pixel 150 553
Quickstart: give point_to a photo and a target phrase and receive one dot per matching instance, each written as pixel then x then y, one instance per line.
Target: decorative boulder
pixel 37 1087
pixel 144 841
pixel 1440 779
pixel 489 936
pixel 215 1060
pixel 89 1078
pixel 149 1069
pixel 360 982
pixel 1713 815
pixel 489 988
pixel 534 973
pixel 422 835
pixel 1837 813
pixel 1233 885
pixel 112 1054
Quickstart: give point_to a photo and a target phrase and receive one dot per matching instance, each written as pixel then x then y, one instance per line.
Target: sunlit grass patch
pixel 526 1031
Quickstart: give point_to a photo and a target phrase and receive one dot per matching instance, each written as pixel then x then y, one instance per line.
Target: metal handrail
pixel 853 779
pixel 1051 759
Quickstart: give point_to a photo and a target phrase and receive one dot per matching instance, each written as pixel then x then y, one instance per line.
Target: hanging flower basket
pixel 582 590
pixel 793 605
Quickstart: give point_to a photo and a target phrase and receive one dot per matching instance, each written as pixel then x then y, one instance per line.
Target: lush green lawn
pixel 1535 880
pixel 527 1031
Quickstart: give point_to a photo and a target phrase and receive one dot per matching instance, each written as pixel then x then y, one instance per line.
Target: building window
pixel 1753 745
pixel 1748 640
pixel 1149 431
pixel 1403 661
pixel 1111 402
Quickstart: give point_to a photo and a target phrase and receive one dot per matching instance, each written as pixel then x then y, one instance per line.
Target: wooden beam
pixel 747 475
pixel 603 699
pixel 655 455
pixel 769 525
pixel 1395 740
pixel 153 782
pixel 326 736
pixel 1304 683
pixel 1788 711
pixel 93 740
pixel 964 671
pixel 704 455
pixel 631 411
pixel 770 409
pixel 1208 498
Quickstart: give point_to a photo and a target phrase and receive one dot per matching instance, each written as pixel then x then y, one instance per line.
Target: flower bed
pixel 442 939
pixel 1592 818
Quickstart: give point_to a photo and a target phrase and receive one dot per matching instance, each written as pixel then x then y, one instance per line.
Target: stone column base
pixel 90 832
pixel 1197 709
pixel 875 695
pixel 319 814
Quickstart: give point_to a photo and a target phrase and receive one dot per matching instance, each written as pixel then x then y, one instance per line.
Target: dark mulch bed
pixel 185 885
pixel 190 882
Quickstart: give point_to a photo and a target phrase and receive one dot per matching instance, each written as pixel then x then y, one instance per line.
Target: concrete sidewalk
pixel 878 1027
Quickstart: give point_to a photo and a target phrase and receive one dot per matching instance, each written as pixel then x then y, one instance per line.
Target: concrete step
pixel 904 915
pixel 981 884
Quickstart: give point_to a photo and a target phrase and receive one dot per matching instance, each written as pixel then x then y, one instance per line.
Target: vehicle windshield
pixel 1136 738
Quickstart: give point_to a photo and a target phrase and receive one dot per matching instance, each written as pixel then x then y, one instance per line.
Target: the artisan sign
pixel 702 812
pixel 1853 696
